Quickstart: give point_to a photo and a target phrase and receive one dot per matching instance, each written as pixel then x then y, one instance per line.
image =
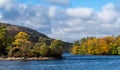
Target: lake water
pixel 72 62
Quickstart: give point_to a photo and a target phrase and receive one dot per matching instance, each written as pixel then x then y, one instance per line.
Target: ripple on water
pixel 70 63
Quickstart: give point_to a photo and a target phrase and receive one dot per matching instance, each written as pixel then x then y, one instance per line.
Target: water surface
pixel 72 62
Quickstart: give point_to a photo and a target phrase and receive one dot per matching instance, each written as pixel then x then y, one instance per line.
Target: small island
pixel 19 47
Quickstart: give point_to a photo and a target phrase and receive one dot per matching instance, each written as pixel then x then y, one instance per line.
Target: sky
pixel 68 20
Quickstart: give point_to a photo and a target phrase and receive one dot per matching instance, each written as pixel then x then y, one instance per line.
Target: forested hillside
pixel 12 30
pixel 18 41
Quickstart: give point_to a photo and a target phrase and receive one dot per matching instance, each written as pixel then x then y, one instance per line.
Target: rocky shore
pixel 32 58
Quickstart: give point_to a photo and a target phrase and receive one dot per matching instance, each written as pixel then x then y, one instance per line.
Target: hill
pixel 12 30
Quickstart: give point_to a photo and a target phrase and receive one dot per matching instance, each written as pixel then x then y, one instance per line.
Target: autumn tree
pixel 76 50
pixel 92 46
pixel 21 44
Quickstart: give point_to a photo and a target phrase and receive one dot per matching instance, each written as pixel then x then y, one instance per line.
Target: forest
pixel 21 46
pixel 108 45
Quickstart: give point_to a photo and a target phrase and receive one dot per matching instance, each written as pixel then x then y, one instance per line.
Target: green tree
pixel 4 41
pixel 118 48
pixel 56 48
pixel 44 50
pixel 113 49
pixel 76 43
pixel 36 49
pixel 2 38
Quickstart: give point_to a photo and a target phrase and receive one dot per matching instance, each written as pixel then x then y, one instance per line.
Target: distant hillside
pixel 12 30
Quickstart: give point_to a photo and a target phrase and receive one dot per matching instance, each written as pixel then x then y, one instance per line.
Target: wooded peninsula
pixel 20 47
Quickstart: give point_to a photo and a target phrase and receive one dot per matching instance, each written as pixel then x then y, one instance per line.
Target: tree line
pixel 20 46
pixel 109 45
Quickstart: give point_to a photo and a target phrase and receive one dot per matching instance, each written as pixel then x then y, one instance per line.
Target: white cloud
pixel 108 14
pixel 80 12
pixel 68 24
pixel 60 2
pixel 52 12
pixel 97 23
pixel 3 2
pixel 6 3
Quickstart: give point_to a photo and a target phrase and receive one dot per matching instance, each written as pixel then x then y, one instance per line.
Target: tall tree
pixel 22 43
pixel 4 40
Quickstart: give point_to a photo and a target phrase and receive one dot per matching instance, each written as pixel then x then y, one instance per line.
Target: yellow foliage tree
pixel 75 50
pixel 21 41
pixel 93 46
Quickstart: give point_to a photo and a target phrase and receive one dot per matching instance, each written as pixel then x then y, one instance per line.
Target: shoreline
pixel 32 58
